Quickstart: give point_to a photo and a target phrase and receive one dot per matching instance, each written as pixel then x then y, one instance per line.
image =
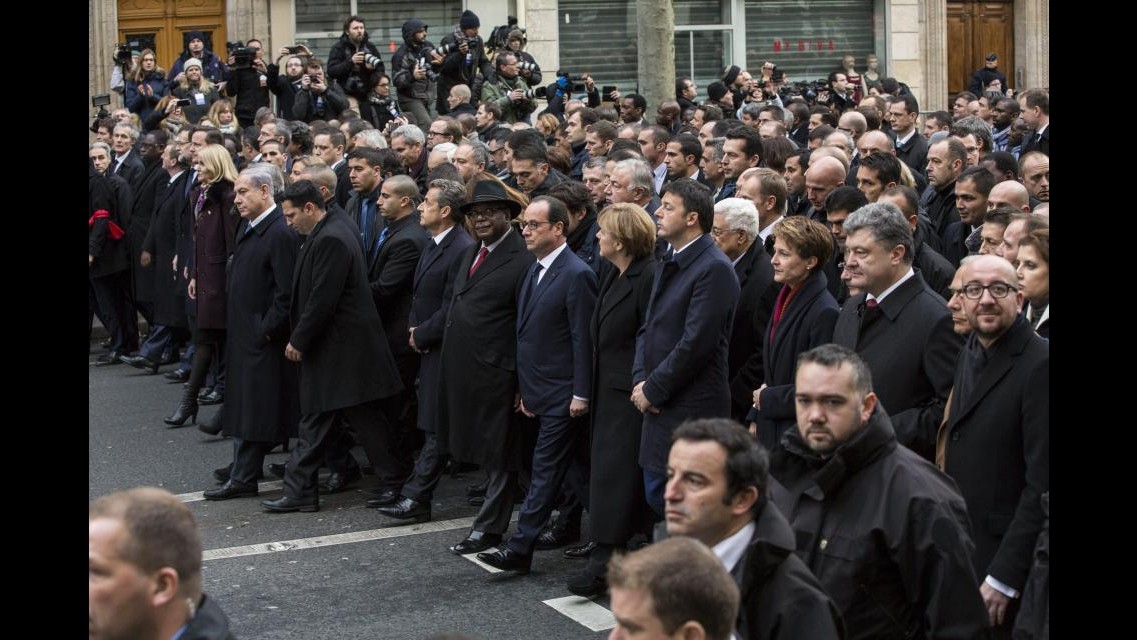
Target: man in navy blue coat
pixel 680 370
pixel 554 370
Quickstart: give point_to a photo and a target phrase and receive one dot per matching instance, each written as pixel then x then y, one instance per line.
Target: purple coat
pixel 214 236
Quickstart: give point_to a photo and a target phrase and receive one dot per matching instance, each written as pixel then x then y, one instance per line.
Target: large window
pixel 598 37
pixel 319 23
pixel 806 39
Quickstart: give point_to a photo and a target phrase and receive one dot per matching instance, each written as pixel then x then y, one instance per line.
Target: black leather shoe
pixel 587 585
pixel 407 509
pixel 141 362
pixel 110 357
pixel 477 490
pixel 338 482
pixel 507 560
pixel 476 541
pixel 277 469
pixel 222 475
pixel 476 501
pixel 386 498
pixel 230 490
pixel 579 551
pixel 212 397
pixel 177 375
pixel 169 357
pixel 556 538
pixel 288 504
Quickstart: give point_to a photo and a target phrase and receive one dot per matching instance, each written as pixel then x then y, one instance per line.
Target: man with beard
pixel 1005 112
pixel 414 81
pixel 353 61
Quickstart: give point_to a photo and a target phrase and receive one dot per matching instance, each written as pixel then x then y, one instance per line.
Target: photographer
pixel 561 91
pixel 285 86
pixel 353 61
pixel 126 65
pixel 529 70
pixel 248 80
pixel 507 90
pixel 414 66
pixel 211 66
pixel 318 100
pixel 146 86
pixel 195 88
pixel 464 56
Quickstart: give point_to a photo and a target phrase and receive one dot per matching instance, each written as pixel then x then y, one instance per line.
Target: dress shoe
pixel 212 426
pixel 507 560
pixel 407 509
pixel 106 344
pixel 222 474
pixel 230 490
pixel 587 585
pixel 213 397
pixel 476 501
pixel 110 357
pixel 557 538
pixel 177 375
pixel 476 541
pixel 141 362
pixel 277 469
pixel 288 504
pixel 338 482
pixel 186 411
pixel 477 490
pixel 385 498
pixel 169 357
pixel 579 551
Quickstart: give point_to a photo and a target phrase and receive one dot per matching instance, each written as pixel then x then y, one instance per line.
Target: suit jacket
pixel 911 350
pixel 554 347
pixel 755 304
pixel 391 272
pixel 681 350
pixel 479 355
pixel 343 184
pixel 132 170
pixel 1031 143
pixel 346 360
pixel 354 208
pixel 151 186
pixel 914 153
pixel 434 278
pixel 941 208
pixel 997 449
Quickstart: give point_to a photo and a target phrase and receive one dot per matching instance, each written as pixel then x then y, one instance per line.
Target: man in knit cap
pixel 464 54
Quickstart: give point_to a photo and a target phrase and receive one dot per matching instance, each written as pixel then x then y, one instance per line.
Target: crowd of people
pixel 800 329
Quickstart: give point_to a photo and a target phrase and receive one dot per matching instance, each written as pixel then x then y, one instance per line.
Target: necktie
pixel 365 214
pixel 482 253
pixel 382 237
pixel 871 303
pixel 533 283
pixel 115 164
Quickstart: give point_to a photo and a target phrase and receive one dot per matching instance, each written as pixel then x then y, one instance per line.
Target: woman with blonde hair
pixel 214 233
pixel 196 88
pixel 221 116
pixel 166 115
pixel 146 86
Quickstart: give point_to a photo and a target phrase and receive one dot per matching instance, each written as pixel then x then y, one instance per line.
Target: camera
pixel 122 51
pixel 424 64
pixel 451 47
pixel 526 66
pixel 388 103
pixel 242 55
pixel 536 92
pixel 564 81
pixel 499 37
pixel 373 60
pixel 294 50
pixel 184 102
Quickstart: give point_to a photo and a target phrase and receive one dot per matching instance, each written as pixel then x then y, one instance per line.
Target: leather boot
pixel 187 410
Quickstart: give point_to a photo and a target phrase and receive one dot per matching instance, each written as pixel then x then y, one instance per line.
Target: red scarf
pixel 785 296
pixel 115 230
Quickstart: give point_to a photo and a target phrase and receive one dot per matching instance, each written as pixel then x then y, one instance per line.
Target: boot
pixel 187 410
pixel 212 426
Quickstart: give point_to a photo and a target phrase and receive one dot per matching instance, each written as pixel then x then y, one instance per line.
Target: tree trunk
pixel 656 32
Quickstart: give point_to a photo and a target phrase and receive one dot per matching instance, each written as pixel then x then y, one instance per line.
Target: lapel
pixel 496 258
pixel 811 288
pixel 621 287
pixel 1000 364
pixel 177 186
pixel 431 254
pixel 544 285
pixel 742 269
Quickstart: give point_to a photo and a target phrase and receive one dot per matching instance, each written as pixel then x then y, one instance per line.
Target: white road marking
pixel 584 611
pixel 473 557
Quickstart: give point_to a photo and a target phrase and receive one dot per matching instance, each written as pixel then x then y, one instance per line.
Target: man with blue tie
pixel 365 173
pixel 680 369
pixel 554 367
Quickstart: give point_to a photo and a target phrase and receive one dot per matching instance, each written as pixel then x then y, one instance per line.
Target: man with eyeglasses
pixel 443 129
pixel 897 324
pixel 995 442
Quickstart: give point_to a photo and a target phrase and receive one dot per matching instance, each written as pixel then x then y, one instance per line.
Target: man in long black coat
pixel 335 329
pixel 262 406
pixel 151 185
pixel 109 259
pixel 479 359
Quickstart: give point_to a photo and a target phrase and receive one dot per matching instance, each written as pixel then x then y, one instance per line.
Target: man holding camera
pixel 248 80
pixel 526 63
pixel 465 55
pixel 318 99
pixel 211 66
pixel 508 91
pixel 413 68
pixel 354 63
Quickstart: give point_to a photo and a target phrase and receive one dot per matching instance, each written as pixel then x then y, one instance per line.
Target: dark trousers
pixel 427 473
pixel 161 341
pixel 320 431
pixel 112 294
pixel 493 517
pixel 553 463
pixel 248 458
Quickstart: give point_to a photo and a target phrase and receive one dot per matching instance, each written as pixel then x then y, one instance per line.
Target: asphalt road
pixel 343 572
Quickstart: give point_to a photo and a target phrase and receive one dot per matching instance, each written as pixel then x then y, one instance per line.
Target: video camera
pixel 424 64
pixel 499 37
pixel 390 104
pixel 451 47
pixel 806 89
pixel 568 82
pixel 242 55
pixel 122 52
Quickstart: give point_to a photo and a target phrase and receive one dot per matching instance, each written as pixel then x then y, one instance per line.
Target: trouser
pixel 493 517
pixel 427 473
pixel 161 341
pixel 318 431
pixel 420 109
pixel 115 310
pixel 553 463
pixel 248 458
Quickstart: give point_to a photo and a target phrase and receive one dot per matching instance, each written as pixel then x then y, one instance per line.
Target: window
pixel 807 39
pixel 319 24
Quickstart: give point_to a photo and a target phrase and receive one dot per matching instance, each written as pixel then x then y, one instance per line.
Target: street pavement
pixel 342 572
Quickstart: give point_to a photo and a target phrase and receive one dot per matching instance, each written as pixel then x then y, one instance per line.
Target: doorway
pixel 975 29
pixel 163 26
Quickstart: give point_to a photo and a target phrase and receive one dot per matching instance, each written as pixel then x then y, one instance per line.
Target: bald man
pixel 1009 194
pixel 1035 170
pixel 877 141
pixel 824 175
pixel 853 124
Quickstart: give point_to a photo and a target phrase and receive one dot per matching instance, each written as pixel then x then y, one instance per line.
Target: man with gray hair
pixel 470 159
pixel 370 139
pixel 975 134
pixel 897 324
pixel 632 181
pixel 410 143
pixel 734 231
pixel 127 165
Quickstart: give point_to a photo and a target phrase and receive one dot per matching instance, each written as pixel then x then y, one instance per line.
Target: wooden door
pixel 975 29
pixel 163 25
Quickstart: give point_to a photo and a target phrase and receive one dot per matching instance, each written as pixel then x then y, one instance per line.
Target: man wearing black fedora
pixel 479 359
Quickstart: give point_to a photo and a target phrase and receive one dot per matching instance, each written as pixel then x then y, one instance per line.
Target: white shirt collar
pixel 491 247
pixel 765 233
pixel 264 215
pixel 123 156
pixel 679 249
pixel 905 139
pixel 731 550
pixel 175 176
pixel 884 294
pixel 442 236
pixel 548 260
pixel 1041 129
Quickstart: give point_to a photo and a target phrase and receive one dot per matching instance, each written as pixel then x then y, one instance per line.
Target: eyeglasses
pixel 974 291
pixel 718 232
pixel 437 133
pixel 533 225
pixel 384 84
pixel 487 212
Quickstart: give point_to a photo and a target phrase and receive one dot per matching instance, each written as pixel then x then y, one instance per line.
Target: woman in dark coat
pixel 804 316
pixel 617 508
pixel 147 86
pixel 214 234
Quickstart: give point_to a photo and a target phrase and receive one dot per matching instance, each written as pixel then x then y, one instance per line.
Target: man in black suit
pixel 335 328
pixel 911 147
pixel 440 214
pixel 262 407
pixel 554 367
pixel 898 325
pixel 151 185
pixel 996 439
pixel 1035 105
pixel 126 163
pixel 680 369
pixel 947 159
pixel 365 174
pixel 329 147
pixel 735 232
pixel 479 359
